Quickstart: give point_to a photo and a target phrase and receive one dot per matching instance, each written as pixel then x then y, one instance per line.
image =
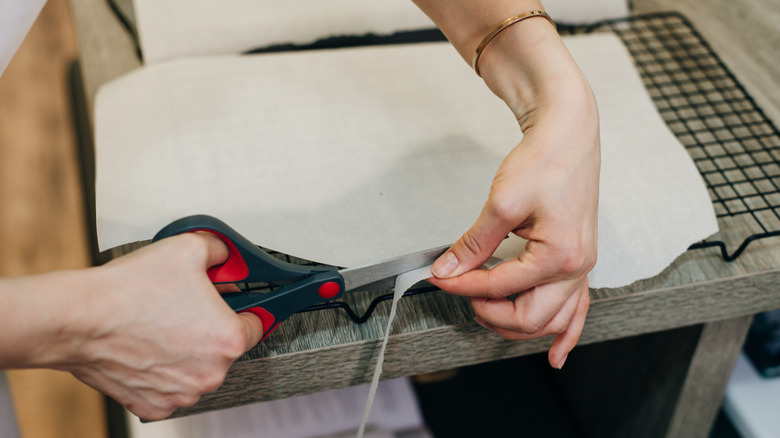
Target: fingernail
pixel 445 265
pixel 481 322
pixel 563 361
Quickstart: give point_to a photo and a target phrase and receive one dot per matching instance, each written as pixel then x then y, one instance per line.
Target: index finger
pixel 512 276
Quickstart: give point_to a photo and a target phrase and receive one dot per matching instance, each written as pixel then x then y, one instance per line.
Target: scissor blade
pixel 386 271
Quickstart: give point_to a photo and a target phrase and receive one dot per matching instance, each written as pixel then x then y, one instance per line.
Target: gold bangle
pixel 504 24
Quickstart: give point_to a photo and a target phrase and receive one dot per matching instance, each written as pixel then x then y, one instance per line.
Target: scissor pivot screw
pixel 329 290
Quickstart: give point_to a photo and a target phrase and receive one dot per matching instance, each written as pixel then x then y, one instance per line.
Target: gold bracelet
pixel 506 23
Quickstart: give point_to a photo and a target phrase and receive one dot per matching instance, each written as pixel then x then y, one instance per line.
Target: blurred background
pixel 42 226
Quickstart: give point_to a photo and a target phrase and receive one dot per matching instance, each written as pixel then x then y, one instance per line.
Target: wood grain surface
pixel 322 350
pixel 707 377
pixel 745 35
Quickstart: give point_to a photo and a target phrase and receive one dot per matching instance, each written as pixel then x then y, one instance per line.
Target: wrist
pixel 48 318
pixel 529 68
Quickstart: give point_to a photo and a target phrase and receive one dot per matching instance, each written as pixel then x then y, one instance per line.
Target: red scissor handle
pixel 247 263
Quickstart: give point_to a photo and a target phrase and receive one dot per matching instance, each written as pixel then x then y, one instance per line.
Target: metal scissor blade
pixel 355 278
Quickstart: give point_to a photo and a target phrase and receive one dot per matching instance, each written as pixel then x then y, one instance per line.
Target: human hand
pixel 159 335
pixel 545 191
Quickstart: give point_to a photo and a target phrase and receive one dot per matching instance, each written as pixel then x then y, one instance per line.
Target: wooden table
pixel 675 338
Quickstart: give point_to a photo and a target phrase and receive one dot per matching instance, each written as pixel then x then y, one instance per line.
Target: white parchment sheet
pixel 352 156
pixel 170 29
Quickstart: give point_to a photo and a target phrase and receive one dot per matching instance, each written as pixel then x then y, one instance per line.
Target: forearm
pixel 466 22
pixel 526 65
pixel 148 329
pixel 43 318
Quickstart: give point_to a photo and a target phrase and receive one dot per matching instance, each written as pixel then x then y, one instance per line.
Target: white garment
pixel 16 19
pixel 8 427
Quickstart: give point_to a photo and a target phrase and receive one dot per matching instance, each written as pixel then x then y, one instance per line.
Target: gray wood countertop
pixel 323 350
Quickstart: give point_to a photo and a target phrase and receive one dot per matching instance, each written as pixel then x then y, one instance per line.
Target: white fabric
pixel 16 19
pixel 353 156
pixel 8 428
pixel 333 413
pixel 170 29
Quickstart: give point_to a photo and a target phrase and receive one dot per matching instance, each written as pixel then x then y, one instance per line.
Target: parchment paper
pixel 170 29
pixel 352 156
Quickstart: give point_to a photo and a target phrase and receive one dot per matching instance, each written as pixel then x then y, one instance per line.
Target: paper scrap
pixel 403 283
pixel 352 156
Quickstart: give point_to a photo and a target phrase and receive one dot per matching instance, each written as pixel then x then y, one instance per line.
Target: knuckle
pixel 574 258
pixel 229 341
pixel 211 383
pixel 198 245
pixel 235 343
pixel 571 260
pixel 556 327
pixel 529 323
pixel 187 248
pixel 184 400
pixel 134 408
pixel 190 241
pixel 156 414
pixel 471 243
pixel 503 208
pixel 492 288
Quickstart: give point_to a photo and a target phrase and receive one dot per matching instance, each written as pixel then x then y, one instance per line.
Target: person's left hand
pixel 545 191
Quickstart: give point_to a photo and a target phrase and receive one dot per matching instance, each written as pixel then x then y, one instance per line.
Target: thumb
pixel 473 248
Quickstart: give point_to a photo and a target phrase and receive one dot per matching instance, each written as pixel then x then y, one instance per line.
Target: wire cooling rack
pixel 734 145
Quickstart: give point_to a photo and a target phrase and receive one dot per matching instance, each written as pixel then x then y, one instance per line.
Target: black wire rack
pixel 734 145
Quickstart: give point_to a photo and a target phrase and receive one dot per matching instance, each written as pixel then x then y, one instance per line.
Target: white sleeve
pixel 8 427
pixel 16 18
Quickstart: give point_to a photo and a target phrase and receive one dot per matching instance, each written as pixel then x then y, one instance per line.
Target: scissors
pixel 302 286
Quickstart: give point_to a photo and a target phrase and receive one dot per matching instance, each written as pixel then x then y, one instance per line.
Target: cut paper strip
pixel 353 156
pixel 402 283
pixel 170 29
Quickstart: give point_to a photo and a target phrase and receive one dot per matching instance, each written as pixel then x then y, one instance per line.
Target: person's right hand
pixel 155 334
